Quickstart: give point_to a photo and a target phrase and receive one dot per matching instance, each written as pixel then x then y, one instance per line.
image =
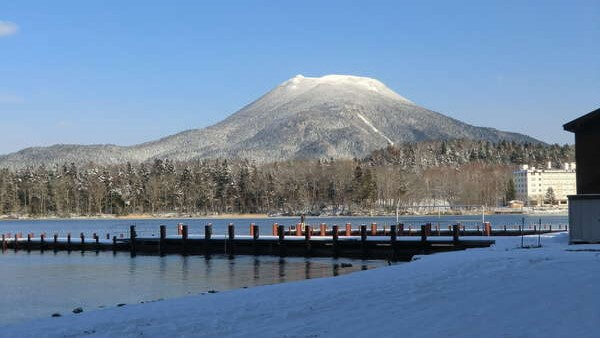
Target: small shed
pixel 584 208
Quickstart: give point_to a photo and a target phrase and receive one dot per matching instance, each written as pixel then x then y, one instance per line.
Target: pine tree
pixel 510 193
pixel 550 197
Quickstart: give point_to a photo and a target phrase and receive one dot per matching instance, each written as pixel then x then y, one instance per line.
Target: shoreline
pixel 259 216
pixel 433 286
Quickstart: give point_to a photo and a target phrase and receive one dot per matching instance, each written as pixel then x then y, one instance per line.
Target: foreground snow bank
pixel 503 291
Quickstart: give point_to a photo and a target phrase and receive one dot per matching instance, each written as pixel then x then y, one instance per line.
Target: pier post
pixel 69 241
pixel 42 241
pixel 281 242
pixel 251 229
pixel 394 242
pixel 114 244
pixel 323 229
pixel 255 237
pixel 423 234
pixel 16 242
pixel 230 238
pixel 207 238
pixel 307 235
pixel 299 229
pixel 373 229
pixel 28 242
pixel 97 239
pixel 132 240
pixel 363 240
pixel 55 246
pixel 348 229
pixel 334 236
pixel 400 229
pixel 274 229
pixel 455 231
pixel 108 236
pixel 161 240
pixel 184 239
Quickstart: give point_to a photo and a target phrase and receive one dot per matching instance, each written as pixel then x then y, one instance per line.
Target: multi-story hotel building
pixel 532 184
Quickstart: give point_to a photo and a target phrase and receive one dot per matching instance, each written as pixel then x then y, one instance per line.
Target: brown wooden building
pixel 584 208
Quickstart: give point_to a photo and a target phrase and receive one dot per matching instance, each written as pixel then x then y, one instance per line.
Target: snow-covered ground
pixel 502 291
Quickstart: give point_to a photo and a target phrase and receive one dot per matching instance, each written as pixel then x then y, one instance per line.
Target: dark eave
pixel 584 121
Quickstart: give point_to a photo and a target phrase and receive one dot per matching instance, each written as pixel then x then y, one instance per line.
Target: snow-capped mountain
pixel 337 116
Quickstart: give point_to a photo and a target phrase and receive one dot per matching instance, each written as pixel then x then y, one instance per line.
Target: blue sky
pixel 126 72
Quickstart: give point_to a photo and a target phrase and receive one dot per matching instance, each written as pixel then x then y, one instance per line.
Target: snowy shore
pixel 502 291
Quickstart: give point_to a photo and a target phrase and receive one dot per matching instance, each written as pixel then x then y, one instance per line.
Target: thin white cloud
pixel 8 28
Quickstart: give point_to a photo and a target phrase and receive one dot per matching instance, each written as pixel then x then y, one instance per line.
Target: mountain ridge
pixel 333 116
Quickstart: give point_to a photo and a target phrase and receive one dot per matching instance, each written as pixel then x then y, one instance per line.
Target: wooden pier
pixel 364 243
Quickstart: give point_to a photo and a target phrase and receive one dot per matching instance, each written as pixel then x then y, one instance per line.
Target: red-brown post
pixel 299 229
pixel 348 229
pixel 373 229
pixel 323 229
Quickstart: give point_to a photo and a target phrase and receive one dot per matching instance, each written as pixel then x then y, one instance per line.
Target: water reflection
pixel 43 284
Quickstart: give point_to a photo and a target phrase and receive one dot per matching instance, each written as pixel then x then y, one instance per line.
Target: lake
pixel 38 284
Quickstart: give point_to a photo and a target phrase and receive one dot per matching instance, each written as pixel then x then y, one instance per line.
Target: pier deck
pixel 389 247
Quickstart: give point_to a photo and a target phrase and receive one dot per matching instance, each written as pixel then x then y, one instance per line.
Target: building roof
pixel 583 122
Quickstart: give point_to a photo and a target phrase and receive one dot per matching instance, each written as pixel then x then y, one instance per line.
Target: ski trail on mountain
pixel 374 129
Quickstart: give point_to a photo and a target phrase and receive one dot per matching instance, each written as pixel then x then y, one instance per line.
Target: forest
pixel 456 172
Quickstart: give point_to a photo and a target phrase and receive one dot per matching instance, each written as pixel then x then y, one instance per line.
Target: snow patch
pixel 364 83
pixel 368 123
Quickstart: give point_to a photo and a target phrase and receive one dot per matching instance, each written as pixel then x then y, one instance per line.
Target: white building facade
pixel 532 184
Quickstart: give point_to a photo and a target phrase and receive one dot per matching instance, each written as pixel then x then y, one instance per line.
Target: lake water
pixel 38 284
pixel 149 227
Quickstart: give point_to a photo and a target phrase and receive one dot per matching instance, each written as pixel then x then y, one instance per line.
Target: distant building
pixel 515 204
pixel 584 208
pixel 532 184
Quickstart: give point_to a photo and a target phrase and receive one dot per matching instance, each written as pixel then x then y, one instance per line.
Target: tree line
pixel 458 172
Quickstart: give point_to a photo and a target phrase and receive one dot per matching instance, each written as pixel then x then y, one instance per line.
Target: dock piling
pixel 184 239
pixel 281 239
pixel 231 238
pixel 255 237
pixel 334 236
pixel 161 241
pixel 455 232
pixel 393 241
pixel 207 237
pixel 132 240
pixel 307 235
pixel 363 239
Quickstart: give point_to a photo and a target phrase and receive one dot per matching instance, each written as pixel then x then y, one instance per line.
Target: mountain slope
pixel 332 116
